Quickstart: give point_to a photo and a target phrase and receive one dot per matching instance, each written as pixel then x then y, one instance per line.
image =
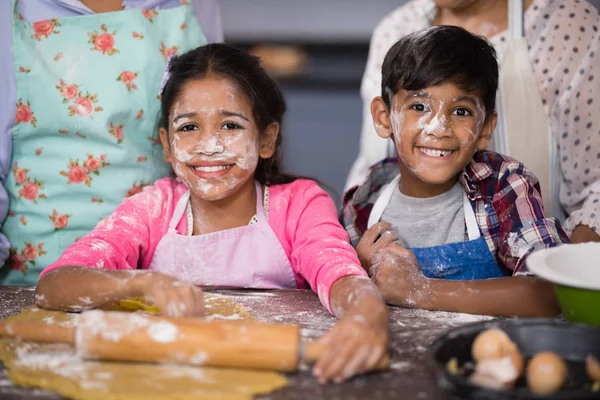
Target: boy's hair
pixel 438 55
pixel 245 71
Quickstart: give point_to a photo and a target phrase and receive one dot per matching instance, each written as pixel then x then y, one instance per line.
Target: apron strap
pixel 180 209
pixel 260 211
pixel 382 202
pixel 386 195
pixel 470 220
pixel 515 19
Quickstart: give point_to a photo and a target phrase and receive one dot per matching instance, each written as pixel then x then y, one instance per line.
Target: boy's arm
pixel 396 273
pixel 517 296
pixel 523 225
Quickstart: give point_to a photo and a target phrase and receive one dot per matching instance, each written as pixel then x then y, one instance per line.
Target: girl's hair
pixel 245 71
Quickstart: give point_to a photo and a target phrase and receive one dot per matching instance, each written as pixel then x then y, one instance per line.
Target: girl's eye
pixel 187 127
pixel 231 126
pixel 462 112
pixel 418 107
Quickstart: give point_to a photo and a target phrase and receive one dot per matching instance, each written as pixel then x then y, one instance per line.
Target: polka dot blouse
pixel 564 50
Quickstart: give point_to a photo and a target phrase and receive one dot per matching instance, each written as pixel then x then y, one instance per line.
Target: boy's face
pixel 436 131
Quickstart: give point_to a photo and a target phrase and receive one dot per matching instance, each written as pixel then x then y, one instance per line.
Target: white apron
pixel 523 131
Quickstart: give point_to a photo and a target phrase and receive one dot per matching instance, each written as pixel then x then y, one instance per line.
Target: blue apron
pixel 467 260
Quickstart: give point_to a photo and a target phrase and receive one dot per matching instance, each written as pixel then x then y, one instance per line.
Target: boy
pixel 460 220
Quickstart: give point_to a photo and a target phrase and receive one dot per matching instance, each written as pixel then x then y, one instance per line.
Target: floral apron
pixel 84 133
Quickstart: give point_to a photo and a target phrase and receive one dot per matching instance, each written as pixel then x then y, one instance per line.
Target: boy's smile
pixel 436 131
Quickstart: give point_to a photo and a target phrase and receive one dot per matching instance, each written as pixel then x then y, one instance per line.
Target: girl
pixel 97 89
pixel 229 219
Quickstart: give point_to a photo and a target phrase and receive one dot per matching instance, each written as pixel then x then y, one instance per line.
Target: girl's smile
pixel 208 170
pixel 213 141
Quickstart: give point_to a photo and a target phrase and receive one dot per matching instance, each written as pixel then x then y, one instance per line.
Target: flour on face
pixel 213 137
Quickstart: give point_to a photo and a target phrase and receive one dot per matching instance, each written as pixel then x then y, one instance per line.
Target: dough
pixel 55 367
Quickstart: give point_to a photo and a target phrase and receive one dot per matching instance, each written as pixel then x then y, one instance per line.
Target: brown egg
pixel 546 373
pixel 491 343
pixel 499 361
pixel 592 366
pixel 497 373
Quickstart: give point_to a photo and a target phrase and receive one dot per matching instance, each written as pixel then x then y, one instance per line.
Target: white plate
pixel 576 265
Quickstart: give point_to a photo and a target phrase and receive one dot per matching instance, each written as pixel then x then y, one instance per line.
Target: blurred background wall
pixel 320 75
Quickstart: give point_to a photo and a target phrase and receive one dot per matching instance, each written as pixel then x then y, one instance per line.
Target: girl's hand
pixel 354 345
pixel 396 272
pixel 175 298
pixel 373 240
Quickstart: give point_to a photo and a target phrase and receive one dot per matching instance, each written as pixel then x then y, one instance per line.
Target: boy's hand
pixel 174 298
pixel 354 345
pixel 373 240
pixel 395 270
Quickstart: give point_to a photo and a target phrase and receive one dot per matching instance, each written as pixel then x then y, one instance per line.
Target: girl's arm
pixel 359 340
pixel 396 273
pixel 127 238
pixel 102 267
pixel 322 254
pixel 81 288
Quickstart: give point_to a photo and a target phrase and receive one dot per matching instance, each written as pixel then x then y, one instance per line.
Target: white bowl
pixel 575 265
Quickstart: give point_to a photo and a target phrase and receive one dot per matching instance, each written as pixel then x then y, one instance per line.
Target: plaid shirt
pixel 504 194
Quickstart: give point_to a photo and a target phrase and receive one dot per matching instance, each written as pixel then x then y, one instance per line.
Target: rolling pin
pixel 109 335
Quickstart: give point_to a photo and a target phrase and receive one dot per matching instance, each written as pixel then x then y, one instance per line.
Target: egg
pixel 499 361
pixel 592 366
pixel 496 373
pixel 491 343
pixel 546 373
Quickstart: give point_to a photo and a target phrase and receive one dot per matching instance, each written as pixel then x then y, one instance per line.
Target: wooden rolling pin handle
pixel 36 332
pixel 243 344
pixel 311 351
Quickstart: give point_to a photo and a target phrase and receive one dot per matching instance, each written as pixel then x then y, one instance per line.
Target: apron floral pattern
pixel 84 132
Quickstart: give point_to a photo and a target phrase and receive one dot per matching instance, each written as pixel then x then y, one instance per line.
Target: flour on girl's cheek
pixel 212 142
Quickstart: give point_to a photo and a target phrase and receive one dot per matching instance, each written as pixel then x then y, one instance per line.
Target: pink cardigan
pixel 301 214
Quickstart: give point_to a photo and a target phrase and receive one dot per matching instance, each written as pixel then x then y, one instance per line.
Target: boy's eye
pixel 187 127
pixel 462 112
pixel 419 107
pixel 231 125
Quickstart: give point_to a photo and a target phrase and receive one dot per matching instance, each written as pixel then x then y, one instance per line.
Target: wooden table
pixel 410 377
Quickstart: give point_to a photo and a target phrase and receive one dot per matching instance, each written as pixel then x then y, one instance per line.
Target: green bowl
pixel 574 269
pixel 579 305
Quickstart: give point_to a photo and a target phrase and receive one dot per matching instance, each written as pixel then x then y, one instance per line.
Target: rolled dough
pixel 56 367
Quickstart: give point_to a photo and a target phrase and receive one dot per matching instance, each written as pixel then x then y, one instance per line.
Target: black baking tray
pixel 573 342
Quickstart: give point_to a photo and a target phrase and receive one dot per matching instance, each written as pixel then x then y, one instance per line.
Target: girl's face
pixel 213 142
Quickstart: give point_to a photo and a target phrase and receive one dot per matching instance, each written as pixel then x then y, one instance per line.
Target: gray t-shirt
pixel 428 222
